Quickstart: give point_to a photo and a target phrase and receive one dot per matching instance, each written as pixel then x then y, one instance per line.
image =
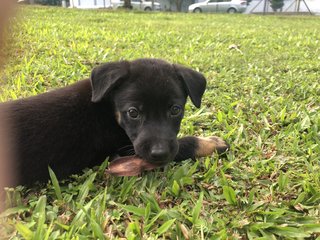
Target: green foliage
pixel 49 2
pixel 262 97
pixel 276 4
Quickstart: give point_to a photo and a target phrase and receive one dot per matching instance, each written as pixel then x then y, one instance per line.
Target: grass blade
pixel 25 232
pixel 229 195
pixel 40 213
pixel 165 227
pixel 55 184
pixel 135 210
pixel 197 209
pixel 85 188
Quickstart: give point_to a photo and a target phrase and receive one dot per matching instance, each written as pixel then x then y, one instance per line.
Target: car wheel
pixel 197 10
pixel 148 9
pixel 232 10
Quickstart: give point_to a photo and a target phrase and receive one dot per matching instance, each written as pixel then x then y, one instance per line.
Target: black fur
pixel 81 125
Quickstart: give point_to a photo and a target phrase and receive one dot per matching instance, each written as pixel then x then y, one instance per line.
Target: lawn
pixel 263 97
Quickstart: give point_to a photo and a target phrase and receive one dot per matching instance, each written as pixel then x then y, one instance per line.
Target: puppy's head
pixel 148 97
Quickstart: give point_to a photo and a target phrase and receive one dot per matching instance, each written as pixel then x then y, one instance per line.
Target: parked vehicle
pixel 229 6
pixel 145 5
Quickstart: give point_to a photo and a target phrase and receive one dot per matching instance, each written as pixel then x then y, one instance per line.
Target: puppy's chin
pixel 159 161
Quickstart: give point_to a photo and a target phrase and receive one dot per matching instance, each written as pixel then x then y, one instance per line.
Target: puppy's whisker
pixel 131 152
pixel 126 150
pixel 127 147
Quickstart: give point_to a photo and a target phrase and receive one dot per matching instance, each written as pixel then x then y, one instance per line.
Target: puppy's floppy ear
pixel 105 77
pixel 194 82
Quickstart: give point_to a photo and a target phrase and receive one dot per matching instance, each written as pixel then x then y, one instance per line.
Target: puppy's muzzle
pixel 159 153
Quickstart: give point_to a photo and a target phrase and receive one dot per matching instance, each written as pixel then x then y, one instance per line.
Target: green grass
pixel 262 97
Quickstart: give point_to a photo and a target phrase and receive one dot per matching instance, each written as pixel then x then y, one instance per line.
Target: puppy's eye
pixel 133 113
pixel 175 110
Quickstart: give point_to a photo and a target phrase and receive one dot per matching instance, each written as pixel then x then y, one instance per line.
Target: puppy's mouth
pixel 130 151
pixel 157 161
pixel 153 155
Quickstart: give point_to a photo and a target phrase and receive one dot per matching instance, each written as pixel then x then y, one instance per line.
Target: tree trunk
pixel 127 4
pixel 179 5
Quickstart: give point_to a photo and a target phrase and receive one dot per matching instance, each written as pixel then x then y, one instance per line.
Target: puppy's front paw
pixel 208 145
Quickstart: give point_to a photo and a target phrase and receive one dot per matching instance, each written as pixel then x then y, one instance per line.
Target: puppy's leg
pixel 193 147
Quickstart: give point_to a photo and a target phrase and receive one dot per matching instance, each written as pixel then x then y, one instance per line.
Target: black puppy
pixel 124 108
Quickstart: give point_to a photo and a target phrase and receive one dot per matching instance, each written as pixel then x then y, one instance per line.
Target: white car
pixel 229 6
pixel 144 5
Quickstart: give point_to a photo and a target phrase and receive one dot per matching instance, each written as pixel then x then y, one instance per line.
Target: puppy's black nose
pixel 159 153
